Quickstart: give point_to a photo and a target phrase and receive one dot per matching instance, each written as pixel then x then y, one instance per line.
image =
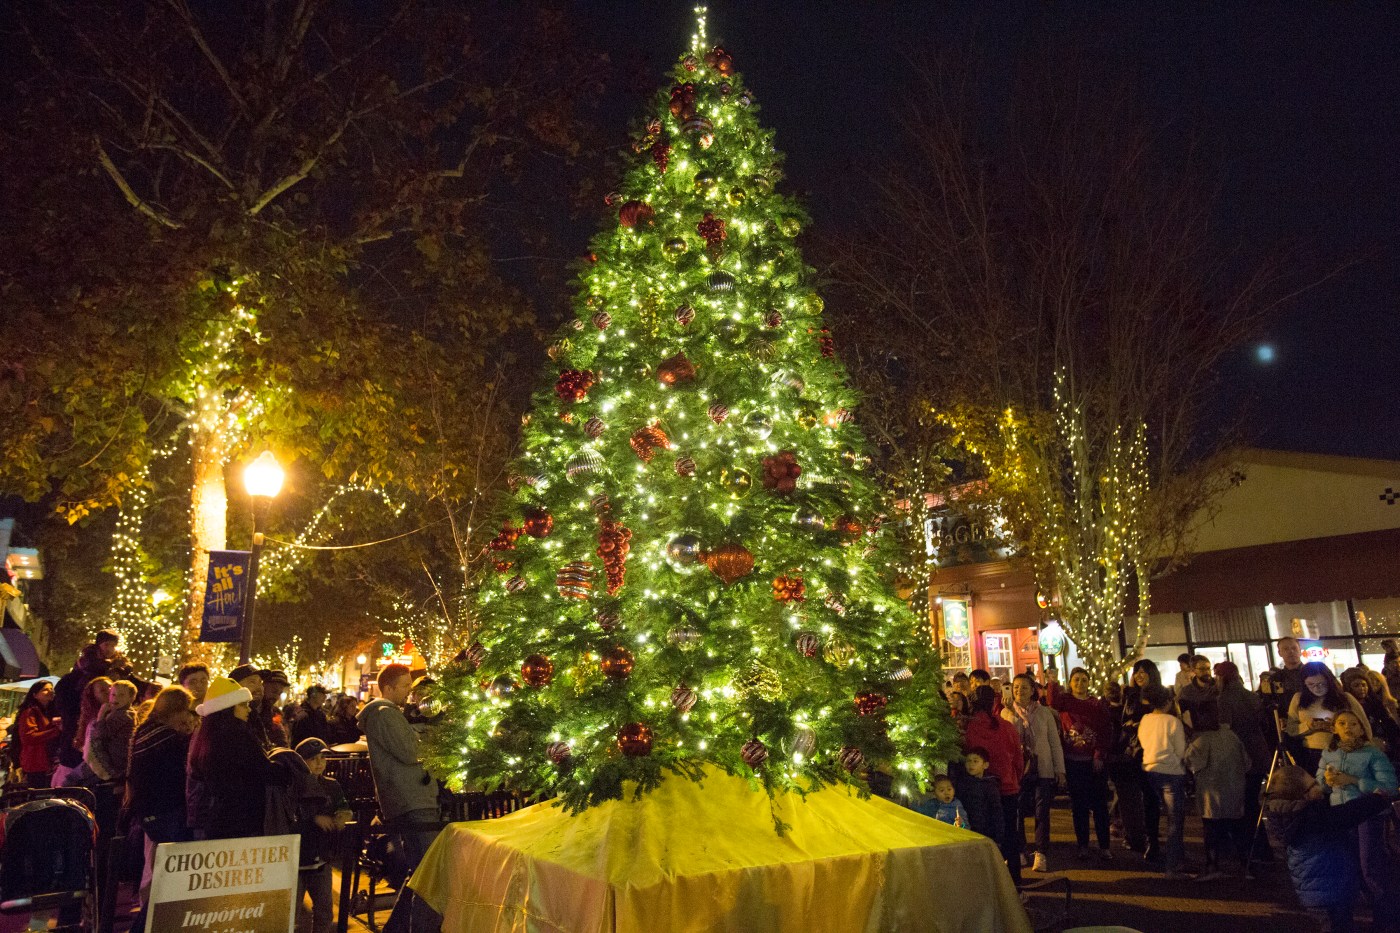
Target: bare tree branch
pixel 131 196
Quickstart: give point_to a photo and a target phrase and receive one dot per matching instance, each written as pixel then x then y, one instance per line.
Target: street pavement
pixel 1126 892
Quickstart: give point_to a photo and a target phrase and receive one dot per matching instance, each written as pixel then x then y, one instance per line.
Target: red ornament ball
pixel 634 739
pixel 537 671
pixel 573 385
pixel 646 441
pixel 594 427
pixel 505 539
pixel 851 757
pixel 730 562
pixel 516 583
pixel 504 566
pixel 559 752
pixel 871 703
pixel 675 370
pixel 718 413
pixel 602 320
pixel 537 523
pixel 809 644
pixel 608 620
pixel 685 466
pixel 720 60
pixel 773 318
pixel 754 753
pixel 616 663
pixel 684 315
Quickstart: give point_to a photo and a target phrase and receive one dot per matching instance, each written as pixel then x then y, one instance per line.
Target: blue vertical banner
pixel 224 596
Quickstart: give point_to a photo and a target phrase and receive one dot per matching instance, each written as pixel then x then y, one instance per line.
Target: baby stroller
pixel 47 848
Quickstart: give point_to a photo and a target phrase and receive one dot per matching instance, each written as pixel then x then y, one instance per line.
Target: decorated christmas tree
pixel 693 572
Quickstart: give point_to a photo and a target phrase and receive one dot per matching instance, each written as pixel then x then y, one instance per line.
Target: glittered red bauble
pixel 573 385
pixel 602 320
pixel 634 739
pixel 789 589
pixel 684 699
pixel 505 539
pixel 537 523
pixel 718 413
pixel 646 441
pixel 575 580
pixel 537 671
pixel 870 703
pixel 675 370
pixel 780 472
pixel 685 466
pixel 558 752
pixel 720 60
pixel 808 644
pixel 616 663
pixel 834 604
pixel 851 758
pixel 754 753
pixel 635 214
pixel 730 562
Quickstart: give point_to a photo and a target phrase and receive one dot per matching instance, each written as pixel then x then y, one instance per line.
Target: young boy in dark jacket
pixel 980 794
pixel 321 813
pixel 1321 852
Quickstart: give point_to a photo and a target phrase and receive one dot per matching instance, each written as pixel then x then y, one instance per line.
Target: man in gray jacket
pixel 405 790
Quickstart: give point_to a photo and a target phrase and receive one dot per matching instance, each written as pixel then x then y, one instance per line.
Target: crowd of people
pixel 1135 759
pixel 223 756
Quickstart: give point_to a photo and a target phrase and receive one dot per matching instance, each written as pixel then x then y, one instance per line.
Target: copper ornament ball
pixel 537 671
pixel 616 663
pixel 634 739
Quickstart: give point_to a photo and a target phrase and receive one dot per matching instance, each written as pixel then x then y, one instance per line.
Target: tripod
pixel 1281 755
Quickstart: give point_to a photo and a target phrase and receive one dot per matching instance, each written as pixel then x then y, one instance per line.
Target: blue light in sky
pixel 1264 353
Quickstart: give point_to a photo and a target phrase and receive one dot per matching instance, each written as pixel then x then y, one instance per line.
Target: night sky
pixel 1296 108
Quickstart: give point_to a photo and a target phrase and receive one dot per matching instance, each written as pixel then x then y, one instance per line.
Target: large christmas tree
pixel 692 571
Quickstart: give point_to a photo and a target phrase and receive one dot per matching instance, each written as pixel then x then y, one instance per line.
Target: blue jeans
pixel 1170 790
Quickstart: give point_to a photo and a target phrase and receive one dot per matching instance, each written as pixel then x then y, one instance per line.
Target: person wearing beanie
pixel 228 775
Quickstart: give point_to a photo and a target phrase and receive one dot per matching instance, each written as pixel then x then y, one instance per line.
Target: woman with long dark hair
pixel 1088 736
pixel 37 733
pixel 986 729
pixel 226 784
pixel 1137 803
pixel 1315 707
pixel 155 789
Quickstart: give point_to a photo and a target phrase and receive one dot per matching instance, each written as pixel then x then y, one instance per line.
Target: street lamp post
pixel 263 480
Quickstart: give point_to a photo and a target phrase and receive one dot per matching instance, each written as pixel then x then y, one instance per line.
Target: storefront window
pixel 1373 653
pixel 1227 625
pixel 1164 656
pixel 1163 628
pixel 999 659
pixel 1308 621
pixel 1377 616
pixel 1337 653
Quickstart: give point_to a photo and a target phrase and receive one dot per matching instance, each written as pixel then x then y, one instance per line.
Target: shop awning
pixel 1359 566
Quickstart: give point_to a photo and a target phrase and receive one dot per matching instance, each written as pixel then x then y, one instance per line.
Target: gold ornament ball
pixel 705 182
pixel 789 226
pixel 674 248
pixel 759 681
pixel 736 196
pixel 814 303
pixel 806 418
pixel 738 482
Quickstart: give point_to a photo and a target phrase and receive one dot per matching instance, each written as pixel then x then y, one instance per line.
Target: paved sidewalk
pixel 1128 893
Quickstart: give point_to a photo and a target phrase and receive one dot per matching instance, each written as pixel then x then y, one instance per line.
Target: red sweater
pixel 1085 726
pixel 37 734
pixel 1003 744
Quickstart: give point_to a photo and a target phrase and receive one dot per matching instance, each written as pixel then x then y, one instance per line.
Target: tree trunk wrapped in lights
pixel 710 367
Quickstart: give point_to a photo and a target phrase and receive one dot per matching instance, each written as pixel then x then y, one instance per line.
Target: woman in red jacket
pixel 1003 743
pixel 38 733
pixel 1087 728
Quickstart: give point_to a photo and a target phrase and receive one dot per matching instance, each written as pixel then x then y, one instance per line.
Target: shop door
pixel 999 657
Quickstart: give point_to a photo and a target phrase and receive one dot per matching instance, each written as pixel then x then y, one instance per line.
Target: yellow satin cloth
pixel 691 857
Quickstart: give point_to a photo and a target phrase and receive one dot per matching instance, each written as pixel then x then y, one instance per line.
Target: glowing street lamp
pixel 263 480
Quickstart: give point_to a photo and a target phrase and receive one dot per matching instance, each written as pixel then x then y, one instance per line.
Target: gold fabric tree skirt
pixel 694 857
